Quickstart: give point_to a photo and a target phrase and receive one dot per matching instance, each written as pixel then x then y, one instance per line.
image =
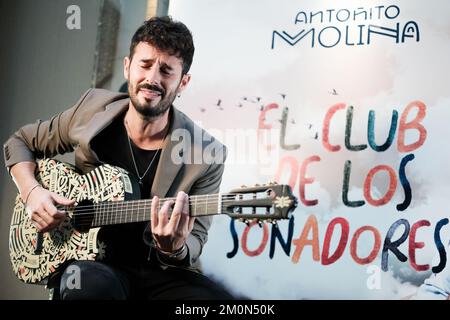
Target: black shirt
pixel 124 243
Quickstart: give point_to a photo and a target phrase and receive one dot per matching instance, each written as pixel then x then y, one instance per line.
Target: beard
pixel 145 109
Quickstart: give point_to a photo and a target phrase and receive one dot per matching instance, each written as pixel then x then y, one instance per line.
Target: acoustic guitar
pixel 109 196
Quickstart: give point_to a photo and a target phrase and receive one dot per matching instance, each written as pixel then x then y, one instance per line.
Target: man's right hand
pixel 41 208
pixel 40 203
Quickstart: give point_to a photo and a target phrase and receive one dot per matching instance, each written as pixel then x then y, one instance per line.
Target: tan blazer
pixel 74 128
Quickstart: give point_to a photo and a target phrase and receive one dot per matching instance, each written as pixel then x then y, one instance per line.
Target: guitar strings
pixel 117 215
pixel 119 212
pixel 145 203
pixel 119 219
pixel 110 220
pixel 191 199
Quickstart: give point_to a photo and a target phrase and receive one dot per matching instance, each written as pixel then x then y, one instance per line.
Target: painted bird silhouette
pixel 333 92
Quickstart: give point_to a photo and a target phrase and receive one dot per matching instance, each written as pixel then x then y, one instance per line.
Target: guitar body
pixel 34 256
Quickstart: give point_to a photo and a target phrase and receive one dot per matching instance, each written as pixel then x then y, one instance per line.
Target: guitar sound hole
pixel 83 215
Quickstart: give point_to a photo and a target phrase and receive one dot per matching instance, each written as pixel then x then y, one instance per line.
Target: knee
pixel 89 280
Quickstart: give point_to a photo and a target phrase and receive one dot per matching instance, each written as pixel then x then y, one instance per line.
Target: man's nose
pixel 153 75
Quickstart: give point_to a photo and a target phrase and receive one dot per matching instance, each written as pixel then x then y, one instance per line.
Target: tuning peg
pixel 243 186
pixel 260 223
pixel 247 222
pixel 257 185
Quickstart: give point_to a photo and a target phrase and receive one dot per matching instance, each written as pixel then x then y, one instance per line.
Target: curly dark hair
pixel 170 36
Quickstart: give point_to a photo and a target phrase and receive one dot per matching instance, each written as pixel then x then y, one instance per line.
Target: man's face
pixel 154 79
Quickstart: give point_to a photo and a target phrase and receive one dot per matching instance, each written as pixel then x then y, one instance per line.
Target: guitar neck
pixel 110 213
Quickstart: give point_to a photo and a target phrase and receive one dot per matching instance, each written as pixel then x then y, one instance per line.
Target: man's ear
pixel 184 82
pixel 126 67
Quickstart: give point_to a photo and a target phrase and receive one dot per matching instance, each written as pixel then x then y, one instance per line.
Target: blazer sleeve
pixel 42 138
pixel 208 184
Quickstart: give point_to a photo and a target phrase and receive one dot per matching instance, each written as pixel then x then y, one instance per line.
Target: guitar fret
pixel 121 206
pixel 119 216
pixel 120 213
pixel 129 214
pixel 105 215
pixel 110 214
pixel 144 211
pixel 100 215
pixel 195 206
pixel 137 213
pixel 97 214
pixel 118 207
pixel 94 221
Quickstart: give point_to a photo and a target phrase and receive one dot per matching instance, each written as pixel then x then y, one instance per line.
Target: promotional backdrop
pixel 348 103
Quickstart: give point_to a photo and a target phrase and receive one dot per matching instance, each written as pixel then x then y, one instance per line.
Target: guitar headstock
pixel 268 202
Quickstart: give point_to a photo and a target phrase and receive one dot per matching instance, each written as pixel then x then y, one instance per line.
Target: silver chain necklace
pixel 134 161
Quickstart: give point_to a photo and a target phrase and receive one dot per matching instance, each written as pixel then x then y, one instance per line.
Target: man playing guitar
pixel 159 260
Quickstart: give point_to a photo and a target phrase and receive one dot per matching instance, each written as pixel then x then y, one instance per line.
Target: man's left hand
pixel 170 231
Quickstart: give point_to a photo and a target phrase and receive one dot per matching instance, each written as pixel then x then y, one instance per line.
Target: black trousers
pixel 91 280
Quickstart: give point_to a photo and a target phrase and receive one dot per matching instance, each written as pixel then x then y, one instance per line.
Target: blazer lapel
pixel 100 120
pixel 167 169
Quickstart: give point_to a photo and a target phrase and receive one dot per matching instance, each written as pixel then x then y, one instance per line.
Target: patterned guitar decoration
pixel 108 196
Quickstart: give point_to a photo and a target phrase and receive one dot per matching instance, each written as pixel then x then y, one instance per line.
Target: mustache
pixel 151 87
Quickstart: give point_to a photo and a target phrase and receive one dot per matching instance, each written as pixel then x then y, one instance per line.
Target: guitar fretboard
pixel 110 213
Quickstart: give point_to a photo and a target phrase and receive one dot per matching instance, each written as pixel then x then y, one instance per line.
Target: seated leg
pixel 91 280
